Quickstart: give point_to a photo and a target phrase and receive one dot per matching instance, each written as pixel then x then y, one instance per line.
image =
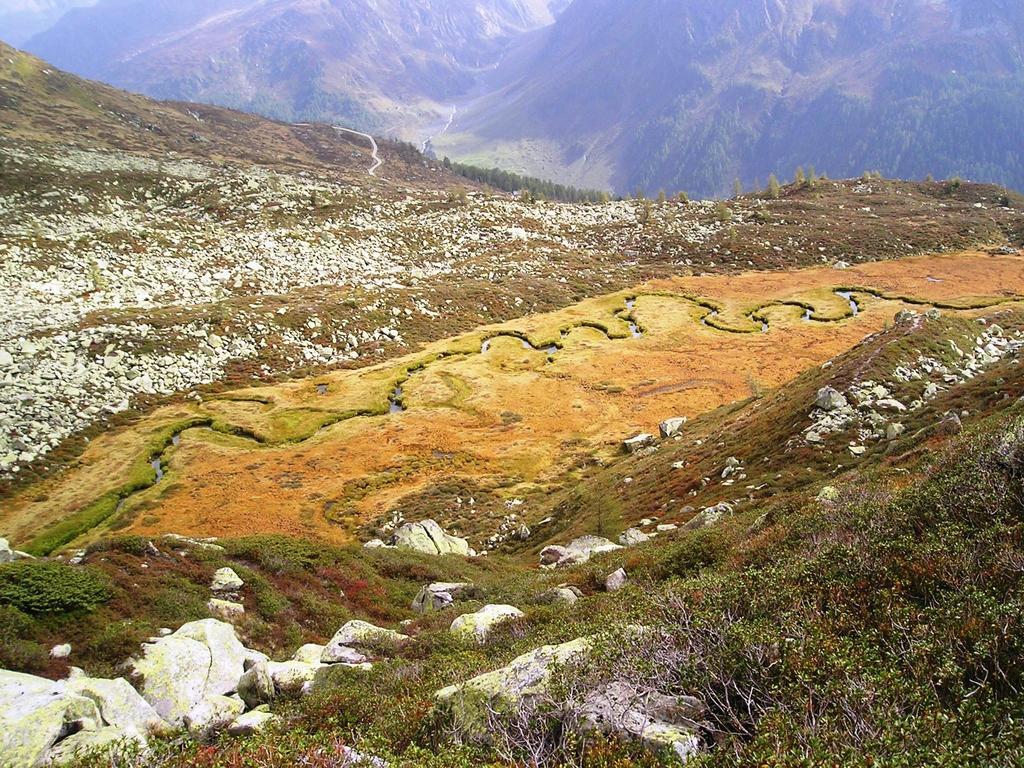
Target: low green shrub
pixel 43 587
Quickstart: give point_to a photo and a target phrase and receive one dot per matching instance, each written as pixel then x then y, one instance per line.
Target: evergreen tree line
pixel 527 185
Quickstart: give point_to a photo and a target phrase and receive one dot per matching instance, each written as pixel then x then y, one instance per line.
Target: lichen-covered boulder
pixel 227 652
pixel 309 653
pixel 225 609
pixel 290 676
pixel 428 537
pixel 477 626
pixel 106 741
pixel 470 704
pixel 252 722
pixel 437 596
pixel 120 706
pixel 363 637
pixel 172 674
pixel 36 713
pixel 213 713
pixel 256 686
pixel 632 537
pixel 564 594
pixel 661 723
pixel 226 580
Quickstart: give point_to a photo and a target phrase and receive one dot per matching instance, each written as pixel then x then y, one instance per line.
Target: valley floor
pixel 480 429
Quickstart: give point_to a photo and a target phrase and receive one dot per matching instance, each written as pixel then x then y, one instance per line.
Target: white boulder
pixel 477 626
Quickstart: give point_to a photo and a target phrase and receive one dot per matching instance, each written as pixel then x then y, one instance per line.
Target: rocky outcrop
pixel 428 537
pixel 477 626
pixel 476 708
pixel 361 637
pixel 177 673
pixel 638 443
pixel 659 722
pixel 438 596
pixel 226 580
pixel 672 427
pixel 579 550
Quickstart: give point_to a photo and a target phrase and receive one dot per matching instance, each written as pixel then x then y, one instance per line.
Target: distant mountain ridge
pixel 653 93
pixel 611 94
pixel 378 64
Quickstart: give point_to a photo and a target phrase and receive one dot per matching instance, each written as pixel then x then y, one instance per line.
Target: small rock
pixel 226 580
pixel 615 580
pixel 830 399
pixel 225 609
pixel 60 651
pixel 631 537
pixel 638 443
pixel 672 427
pixel 252 722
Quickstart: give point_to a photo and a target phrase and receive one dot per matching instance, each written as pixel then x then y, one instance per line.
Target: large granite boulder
pixel 171 674
pixel 428 537
pixel 120 706
pixel 177 673
pixel 477 626
pixel 363 637
pixel 666 724
pixel 437 596
pixel 36 713
pixel 469 705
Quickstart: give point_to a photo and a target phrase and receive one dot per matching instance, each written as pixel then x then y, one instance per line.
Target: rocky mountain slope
pixel 374 65
pixel 649 95
pixel 21 19
pixel 307 466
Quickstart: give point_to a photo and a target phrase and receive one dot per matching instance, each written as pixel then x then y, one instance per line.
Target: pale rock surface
pixel 428 537
pixel 437 596
pixel 252 722
pixel 477 626
pixel 362 636
pixel 226 580
pixel 36 713
pixel 615 580
pixel 672 427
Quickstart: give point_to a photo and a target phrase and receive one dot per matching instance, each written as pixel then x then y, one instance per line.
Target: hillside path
pixel 374 152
